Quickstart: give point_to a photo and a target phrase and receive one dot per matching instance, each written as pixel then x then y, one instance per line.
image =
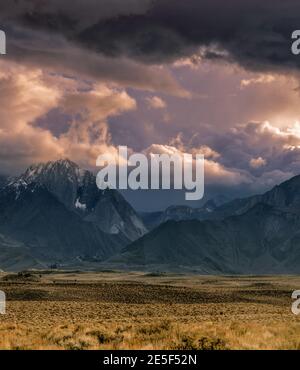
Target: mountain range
pixel 54 214
pixel 56 210
pixel 259 234
pixel 178 213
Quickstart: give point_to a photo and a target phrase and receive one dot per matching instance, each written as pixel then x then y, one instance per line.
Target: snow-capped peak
pixel 76 189
pixel 63 169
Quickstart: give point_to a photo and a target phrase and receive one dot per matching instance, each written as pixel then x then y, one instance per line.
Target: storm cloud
pixel 256 34
pixel 214 76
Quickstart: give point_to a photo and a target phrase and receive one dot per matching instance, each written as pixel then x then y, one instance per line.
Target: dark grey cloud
pixel 118 41
pixel 53 52
pixel 254 33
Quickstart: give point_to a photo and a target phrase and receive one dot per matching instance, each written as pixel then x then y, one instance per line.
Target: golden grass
pixel 134 311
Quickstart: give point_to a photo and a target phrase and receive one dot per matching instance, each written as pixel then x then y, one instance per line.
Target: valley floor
pixel 113 310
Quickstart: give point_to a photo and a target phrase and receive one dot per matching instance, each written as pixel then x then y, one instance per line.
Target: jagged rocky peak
pixel 60 168
pixel 76 188
pixel 63 178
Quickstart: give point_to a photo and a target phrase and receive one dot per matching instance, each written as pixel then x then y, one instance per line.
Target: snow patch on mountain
pixel 80 205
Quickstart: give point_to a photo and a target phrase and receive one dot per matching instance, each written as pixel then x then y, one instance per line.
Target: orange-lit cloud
pixel 28 94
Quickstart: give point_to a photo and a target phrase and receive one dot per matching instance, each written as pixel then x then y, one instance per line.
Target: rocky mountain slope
pixel 285 196
pixel 34 216
pixel 260 234
pixel 178 213
pixel 57 212
pixel 238 244
pixel 15 256
pixel 77 190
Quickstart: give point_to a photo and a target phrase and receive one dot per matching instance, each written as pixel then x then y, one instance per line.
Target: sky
pixel 213 77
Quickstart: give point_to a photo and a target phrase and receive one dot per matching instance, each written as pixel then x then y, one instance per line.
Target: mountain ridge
pixel 77 190
pixel 254 235
pixel 258 234
pixel 57 212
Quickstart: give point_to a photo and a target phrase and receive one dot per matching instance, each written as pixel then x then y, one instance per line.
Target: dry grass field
pixel 113 310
